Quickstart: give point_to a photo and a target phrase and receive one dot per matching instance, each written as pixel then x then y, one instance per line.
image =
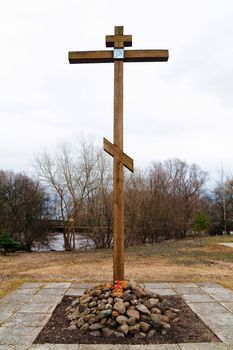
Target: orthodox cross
pixel 118 56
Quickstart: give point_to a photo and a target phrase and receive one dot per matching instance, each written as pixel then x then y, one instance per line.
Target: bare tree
pixel 75 175
pixel 22 202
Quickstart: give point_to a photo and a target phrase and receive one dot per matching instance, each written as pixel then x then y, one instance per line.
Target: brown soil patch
pixel 187 329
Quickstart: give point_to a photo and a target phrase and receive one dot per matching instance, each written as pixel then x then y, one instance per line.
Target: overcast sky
pixel 182 108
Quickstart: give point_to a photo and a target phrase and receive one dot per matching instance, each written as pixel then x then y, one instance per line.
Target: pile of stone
pixel 125 310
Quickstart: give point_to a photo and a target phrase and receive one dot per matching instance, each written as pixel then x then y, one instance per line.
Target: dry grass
pixel 168 261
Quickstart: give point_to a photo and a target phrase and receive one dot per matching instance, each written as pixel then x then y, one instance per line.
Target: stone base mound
pixel 120 310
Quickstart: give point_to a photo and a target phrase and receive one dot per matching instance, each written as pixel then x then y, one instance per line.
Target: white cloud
pixel 182 108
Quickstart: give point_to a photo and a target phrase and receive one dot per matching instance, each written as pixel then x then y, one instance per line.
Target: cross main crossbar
pixel 107 56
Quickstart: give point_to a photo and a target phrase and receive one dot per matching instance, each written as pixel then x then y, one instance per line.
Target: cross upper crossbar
pixel 118 40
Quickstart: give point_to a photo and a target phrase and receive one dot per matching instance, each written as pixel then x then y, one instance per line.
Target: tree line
pixel 74 185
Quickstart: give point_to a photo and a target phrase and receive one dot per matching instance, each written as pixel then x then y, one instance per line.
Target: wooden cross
pixel 118 56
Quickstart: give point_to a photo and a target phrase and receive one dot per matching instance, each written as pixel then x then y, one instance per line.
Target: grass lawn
pixel 177 261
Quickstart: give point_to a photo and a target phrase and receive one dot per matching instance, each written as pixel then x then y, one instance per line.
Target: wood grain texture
pixel 120 159
pixel 146 55
pixel 118 183
pixel 116 152
pixel 107 56
pixel 111 40
pixel 91 57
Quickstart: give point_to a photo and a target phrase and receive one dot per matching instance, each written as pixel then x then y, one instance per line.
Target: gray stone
pixel 110 300
pixel 155 310
pixel 124 328
pixel 143 309
pixel 132 284
pixel 103 321
pixel 139 292
pixel 152 302
pixel 144 327
pixel 140 335
pixel 151 333
pixel 164 305
pixel 156 321
pixel 120 307
pixel 118 334
pixel 133 314
pixel 92 304
pixel 132 321
pixel 95 293
pixel 80 322
pixel 84 328
pixel 75 302
pixel 85 300
pixel 72 328
pixel 107 332
pixel 134 329
pixel 118 300
pixel 101 306
pixel 122 319
pixel 145 318
pixel 95 333
pixel 104 314
pixel 95 326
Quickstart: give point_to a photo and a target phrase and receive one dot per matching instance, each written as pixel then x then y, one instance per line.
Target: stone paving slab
pixel 163 291
pixel 206 346
pixel 14 347
pixel 18 336
pixel 186 285
pixel 53 291
pixel 56 285
pixel 15 299
pixel 155 347
pixel 198 298
pixel 74 292
pixel 32 285
pixel 228 305
pixel 45 298
pixel 190 290
pixel 41 308
pixel 26 291
pixel 227 244
pixel 27 320
pixel 157 285
pixel 25 311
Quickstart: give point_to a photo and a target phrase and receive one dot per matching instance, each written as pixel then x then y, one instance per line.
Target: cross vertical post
pixel 118 56
pixel 118 181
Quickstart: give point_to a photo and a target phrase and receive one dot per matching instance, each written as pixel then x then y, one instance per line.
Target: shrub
pixel 8 243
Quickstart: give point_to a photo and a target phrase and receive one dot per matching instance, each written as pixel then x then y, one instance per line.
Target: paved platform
pixel 24 312
pixel 227 244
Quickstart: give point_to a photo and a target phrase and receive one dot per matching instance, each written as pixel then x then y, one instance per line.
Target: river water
pixel 56 242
